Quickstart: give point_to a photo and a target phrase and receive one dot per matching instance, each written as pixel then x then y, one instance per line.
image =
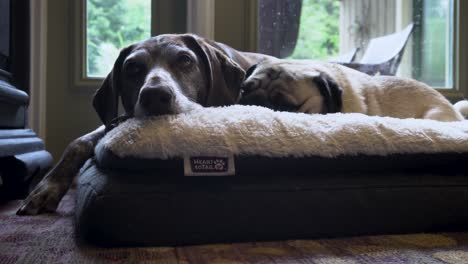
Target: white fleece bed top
pixel 252 130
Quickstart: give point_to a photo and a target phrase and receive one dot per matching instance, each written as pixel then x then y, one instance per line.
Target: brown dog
pixel 166 74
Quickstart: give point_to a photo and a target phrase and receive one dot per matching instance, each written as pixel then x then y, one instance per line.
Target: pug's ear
pixel 224 75
pixel 250 71
pixel 331 92
pixel 105 100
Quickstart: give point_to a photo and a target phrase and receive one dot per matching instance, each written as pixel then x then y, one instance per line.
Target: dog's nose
pixel 249 85
pixel 157 100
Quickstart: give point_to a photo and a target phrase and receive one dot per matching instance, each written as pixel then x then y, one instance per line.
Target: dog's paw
pixel 44 198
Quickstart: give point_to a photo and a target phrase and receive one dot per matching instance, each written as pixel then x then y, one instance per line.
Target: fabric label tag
pixel 209 166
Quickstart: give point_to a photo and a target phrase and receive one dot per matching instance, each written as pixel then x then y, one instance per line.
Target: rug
pixel 50 239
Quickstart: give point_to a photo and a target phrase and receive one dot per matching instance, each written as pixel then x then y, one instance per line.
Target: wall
pixel 69 113
pixel 235 23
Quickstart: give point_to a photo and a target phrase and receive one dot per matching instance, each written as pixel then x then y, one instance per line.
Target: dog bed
pixel 243 173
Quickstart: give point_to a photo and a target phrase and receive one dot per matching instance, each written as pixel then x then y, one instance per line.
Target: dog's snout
pixel 248 86
pixel 157 100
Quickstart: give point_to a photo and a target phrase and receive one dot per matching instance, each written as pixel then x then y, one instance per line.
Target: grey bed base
pixel 133 202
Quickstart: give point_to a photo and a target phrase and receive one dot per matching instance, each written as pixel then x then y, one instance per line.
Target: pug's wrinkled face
pixel 286 85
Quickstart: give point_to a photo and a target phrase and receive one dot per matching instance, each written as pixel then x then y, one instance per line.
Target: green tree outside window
pixel 111 25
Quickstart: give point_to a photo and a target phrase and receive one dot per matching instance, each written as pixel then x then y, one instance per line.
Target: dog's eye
pixel 134 69
pixel 184 60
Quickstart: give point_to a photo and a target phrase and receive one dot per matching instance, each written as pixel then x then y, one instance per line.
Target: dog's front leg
pixel 46 196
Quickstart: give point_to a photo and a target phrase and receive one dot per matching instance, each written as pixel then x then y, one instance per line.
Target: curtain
pixel 278 26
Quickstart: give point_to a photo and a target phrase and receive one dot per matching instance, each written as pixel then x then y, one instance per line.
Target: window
pixel 102 27
pixel 319 30
pixel 111 25
pixel 324 29
pixel 433 42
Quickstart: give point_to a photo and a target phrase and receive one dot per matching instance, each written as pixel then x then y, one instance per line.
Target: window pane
pixel 433 38
pixel 319 30
pixel 331 29
pixel 111 25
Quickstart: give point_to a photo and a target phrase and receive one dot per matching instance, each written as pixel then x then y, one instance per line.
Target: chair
pixel 347 57
pixel 383 54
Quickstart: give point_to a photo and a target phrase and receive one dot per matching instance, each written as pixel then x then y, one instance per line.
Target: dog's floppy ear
pixel 224 75
pixel 105 99
pixel 331 92
pixel 250 70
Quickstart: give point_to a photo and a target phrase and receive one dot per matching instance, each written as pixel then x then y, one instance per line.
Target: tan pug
pixel 320 87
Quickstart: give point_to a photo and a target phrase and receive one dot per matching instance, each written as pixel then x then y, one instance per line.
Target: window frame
pixel 459 90
pixel 166 17
pixel 460 61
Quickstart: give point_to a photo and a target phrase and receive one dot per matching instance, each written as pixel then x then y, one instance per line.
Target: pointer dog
pixel 166 74
pixel 320 87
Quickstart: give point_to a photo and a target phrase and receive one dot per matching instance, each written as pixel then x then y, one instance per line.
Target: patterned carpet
pixel 50 239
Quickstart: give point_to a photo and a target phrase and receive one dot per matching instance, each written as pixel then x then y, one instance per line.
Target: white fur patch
pixel 252 130
pixel 462 107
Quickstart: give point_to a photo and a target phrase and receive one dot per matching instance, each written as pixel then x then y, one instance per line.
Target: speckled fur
pixel 212 78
